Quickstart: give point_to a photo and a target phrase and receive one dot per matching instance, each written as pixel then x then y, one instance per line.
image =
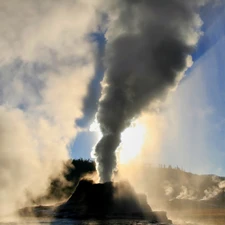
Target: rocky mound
pixel 108 201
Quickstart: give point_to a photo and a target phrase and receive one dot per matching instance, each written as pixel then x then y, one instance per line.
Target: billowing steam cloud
pixel 148 50
pixel 46 63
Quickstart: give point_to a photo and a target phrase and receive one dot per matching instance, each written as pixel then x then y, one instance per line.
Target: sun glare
pixel 132 140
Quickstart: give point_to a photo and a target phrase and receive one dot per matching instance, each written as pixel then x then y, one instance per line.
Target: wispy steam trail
pixel 149 43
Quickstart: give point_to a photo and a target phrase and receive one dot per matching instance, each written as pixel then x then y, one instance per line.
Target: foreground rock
pixel 108 201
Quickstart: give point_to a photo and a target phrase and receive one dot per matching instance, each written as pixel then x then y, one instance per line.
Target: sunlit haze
pixel 132 140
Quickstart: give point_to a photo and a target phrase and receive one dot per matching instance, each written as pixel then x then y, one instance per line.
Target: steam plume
pixel 46 64
pixel 148 50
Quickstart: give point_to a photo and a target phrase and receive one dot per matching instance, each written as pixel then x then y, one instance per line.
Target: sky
pixel 199 146
pixel 196 109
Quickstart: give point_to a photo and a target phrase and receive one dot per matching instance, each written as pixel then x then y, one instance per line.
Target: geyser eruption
pixel 148 50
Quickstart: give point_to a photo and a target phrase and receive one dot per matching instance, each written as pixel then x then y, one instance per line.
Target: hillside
pixel 163 185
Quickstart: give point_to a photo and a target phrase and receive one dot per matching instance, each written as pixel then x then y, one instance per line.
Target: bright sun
pixel 132 140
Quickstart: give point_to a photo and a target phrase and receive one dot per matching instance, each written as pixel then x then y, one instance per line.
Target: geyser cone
pixel 107 200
